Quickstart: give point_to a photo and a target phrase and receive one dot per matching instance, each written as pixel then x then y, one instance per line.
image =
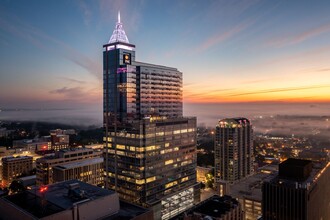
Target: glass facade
pixel 160 91
pixel 150 148
pixel 153 162
pixel 138 90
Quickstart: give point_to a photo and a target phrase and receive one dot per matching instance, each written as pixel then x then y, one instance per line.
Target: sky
pixel 230 51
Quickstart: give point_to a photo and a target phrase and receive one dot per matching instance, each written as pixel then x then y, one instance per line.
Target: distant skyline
pixel 229 51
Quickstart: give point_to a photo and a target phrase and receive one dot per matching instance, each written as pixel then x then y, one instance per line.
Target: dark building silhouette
pixel 300 191
pixel 215 208
pixel 69 200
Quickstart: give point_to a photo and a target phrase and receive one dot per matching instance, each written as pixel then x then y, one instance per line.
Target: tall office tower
pixel 300 191
pixel 150 148
pixel 233 149
pixel 13 167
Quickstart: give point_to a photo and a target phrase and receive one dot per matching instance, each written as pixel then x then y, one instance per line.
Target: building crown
pixel 118 34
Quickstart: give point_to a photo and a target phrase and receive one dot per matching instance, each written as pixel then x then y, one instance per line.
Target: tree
pixel 15 187
pixel 209 180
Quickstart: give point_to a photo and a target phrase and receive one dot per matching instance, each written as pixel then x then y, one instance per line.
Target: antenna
pixel 118 16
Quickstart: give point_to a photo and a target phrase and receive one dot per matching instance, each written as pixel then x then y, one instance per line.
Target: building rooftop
pixel 58 193
pixel 213 207
pixel 29 141
pixel 80 163
pixel 69 200
pixel 137 63
pixel 47 200
pixel 296 162
pixel 68 150
pixel 118 34
pixel 313 169
pixel 269 168
pixel 129 211
pixel 235 121
pixel 28 180
pixel 25 178
pixel 249 187
pixel 12 158
pixel 295 169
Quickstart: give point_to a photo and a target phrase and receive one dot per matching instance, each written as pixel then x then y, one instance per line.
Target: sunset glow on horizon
pixel 228 51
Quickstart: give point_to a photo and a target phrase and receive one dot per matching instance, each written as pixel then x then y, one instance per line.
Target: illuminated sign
pixel 122 70
pixel 127 58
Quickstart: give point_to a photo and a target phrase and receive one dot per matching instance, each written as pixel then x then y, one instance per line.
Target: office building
pixel 215 208
pixel 233 150
pixel 63 132
pixel 248 191
pixel 68 160
pixel 32 145
pixel 150 148
pixel 69 200
pixel 58 140
pixel 300 190
pixel 28 181
pixel 88 171
pixel 14 167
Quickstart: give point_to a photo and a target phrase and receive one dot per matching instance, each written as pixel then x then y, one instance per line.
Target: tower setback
pixel 150 148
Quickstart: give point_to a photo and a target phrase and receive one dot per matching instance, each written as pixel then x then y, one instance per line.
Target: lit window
pixel 171 184
pixel 121 147
pixel 150 179
pixel 168 162
pixel 140 182
pixel 184 179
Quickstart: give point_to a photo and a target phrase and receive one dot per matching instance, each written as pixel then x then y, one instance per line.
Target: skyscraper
pixel 233 149
pixel 300 191
pixel 150 147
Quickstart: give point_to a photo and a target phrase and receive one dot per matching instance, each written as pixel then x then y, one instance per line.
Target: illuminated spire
pixel 118 34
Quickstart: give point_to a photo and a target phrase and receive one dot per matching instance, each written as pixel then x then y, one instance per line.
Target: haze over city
pixel 159 110
pixel 238 57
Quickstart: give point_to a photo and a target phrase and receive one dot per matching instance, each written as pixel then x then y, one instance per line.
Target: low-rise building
pixel 248 191
pixel 32 145
pixel 88 171
pixel 214 208
pixel 28 181
pixel 59 158
pixel 58 141
pixel 13 167
pixel 61 131
pixel 69 200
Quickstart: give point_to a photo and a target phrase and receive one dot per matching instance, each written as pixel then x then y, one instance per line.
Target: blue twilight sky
pixel 229 51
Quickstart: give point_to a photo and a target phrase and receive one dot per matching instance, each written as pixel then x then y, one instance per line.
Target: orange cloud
pixel 298 38
pixel 291 94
